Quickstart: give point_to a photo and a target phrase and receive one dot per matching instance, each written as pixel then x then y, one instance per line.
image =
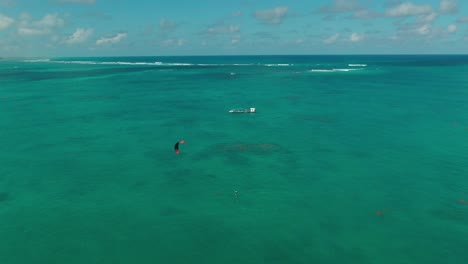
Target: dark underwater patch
pixel 4 196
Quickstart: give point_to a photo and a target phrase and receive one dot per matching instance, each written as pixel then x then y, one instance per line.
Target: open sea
pixel 348 159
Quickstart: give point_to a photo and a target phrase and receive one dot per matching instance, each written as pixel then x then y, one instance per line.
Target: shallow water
pixel 355 159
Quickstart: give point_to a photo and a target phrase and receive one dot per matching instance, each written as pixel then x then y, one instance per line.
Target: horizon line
pixel 241 55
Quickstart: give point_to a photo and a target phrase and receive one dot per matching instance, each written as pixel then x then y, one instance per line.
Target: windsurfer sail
pixel 176 146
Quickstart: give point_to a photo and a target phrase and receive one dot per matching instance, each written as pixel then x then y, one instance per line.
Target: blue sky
pixel 215 27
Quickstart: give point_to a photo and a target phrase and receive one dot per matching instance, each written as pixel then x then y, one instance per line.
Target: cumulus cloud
pixel 424 29
pixel 356 37
pixel 332 39
pixel 5 22
pixel 422 26
pixel 236 14
pixel 235 39
pixel 417 28
pixel 272 16
pixel 408 9
pixel 365 14
pixel 265 35
pixel 80 36
pixel 30 32
pixel 452 28
pixel 50 20
pixel 340 6
pixel 223 29
pixel 7 2
pixel 44 26
pixel 448 7
pixel 111 40
pixel 89 2
pixel 427 19
pixel 173 42
pixel 166 25
pixel 462 19
pixel 299 41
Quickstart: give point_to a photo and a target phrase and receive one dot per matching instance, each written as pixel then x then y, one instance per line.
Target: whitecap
pixel 156 63
pixel 38 60
pixel 277 65
pixel 333 70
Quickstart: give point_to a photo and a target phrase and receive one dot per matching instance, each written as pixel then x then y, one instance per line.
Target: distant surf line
pixel 333 70
pixel 156 63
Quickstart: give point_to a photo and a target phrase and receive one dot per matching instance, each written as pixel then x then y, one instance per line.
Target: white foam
pixel 178 64
pixel 156 63
pixel 38 60
pixel 357 65
pixel 333 70
pixel 75 62
pixel 277 65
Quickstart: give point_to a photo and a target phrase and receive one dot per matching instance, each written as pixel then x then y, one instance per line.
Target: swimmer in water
pixel 236 194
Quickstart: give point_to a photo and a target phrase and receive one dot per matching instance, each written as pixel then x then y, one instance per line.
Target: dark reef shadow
pixel 4 196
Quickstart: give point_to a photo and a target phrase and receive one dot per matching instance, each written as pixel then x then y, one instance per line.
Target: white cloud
pixel 340 6
pixel 429 18
pixel 91 2
pixel 299 41
pixel 55 38
pixel 452 28
pixel 422 26
pixel 173 42
pixel 180 42
pixel 236 14
pixel 365 14
pixel 28 27
pixel 424 29
pixel 223 29
pixel 80 36
pixel 111 40
pixel 7 2
pixel 235 40
pixel 356 37
pixel 463 19
pixel 272 16
pixel 50 20
pixel 409 9
pixel 166 25
pixel 448 6
pixel 332 39
pixel 23 31
pixel 418 28
pixel 5 22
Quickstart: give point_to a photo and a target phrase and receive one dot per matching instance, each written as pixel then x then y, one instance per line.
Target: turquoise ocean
pixel 348 159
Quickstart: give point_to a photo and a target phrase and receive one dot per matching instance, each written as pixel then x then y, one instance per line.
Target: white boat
pixel 250 110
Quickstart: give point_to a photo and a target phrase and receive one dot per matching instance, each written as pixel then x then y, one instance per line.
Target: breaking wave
pixel 333 70
pixel 37 60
